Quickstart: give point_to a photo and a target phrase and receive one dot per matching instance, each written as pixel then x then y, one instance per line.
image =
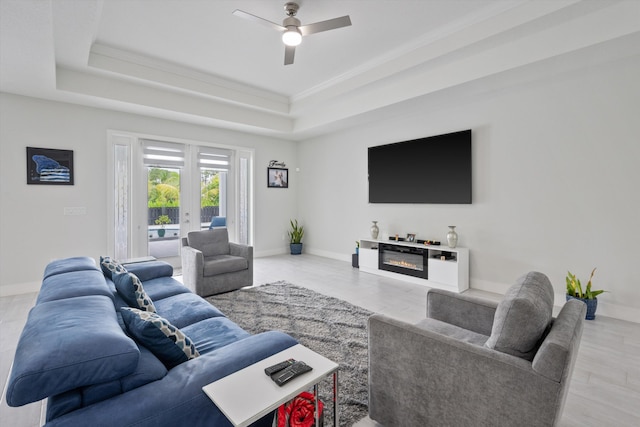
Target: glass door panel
pixel 213 197
pixel 163 212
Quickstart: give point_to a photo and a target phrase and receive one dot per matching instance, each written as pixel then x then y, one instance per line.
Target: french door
pixel 164 189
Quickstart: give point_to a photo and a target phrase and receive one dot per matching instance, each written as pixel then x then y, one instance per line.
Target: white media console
pixel 433 266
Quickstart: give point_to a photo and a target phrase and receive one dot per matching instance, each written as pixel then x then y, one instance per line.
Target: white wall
pixel 555 182
pixel 33 229
pixel 556 179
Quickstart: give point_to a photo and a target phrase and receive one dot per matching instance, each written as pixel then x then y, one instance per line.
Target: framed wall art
pixel 277 178
pixel 49 166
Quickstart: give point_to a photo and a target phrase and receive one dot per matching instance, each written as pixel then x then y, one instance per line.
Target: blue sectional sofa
pixel 101 362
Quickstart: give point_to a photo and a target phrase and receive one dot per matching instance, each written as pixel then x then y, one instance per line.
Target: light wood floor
pixel 605 388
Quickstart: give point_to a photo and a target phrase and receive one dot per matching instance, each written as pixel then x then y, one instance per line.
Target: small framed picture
pixel 49 166
pixel 277 178
pixel 411 237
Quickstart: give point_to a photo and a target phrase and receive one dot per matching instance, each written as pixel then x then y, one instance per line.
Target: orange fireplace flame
pixel 404 264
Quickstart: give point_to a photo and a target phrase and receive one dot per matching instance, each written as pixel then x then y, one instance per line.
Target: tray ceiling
pixel 193 61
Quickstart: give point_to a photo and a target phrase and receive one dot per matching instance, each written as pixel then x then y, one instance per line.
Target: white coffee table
pixel 249 394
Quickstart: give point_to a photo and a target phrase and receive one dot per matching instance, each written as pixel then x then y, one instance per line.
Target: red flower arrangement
pixel 300 412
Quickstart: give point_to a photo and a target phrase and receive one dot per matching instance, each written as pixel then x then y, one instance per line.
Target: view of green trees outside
pixel 164 188
pixel 209 188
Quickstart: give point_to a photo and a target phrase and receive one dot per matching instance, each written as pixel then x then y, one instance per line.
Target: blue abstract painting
pixel 49 166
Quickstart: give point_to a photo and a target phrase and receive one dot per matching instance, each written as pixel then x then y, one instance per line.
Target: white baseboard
pixel 328 254
pixel 272 252
pixel 487 286
pixel 19 288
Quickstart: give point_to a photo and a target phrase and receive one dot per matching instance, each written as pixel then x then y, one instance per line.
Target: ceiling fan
pixel 291 29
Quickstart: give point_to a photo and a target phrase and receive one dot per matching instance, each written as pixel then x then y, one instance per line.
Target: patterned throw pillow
pixel 110 266
pixel 131 290
pixel 166 342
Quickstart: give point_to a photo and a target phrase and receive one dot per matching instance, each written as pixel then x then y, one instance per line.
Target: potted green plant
pixel 588 296
pixel 295 237
pixel 161 221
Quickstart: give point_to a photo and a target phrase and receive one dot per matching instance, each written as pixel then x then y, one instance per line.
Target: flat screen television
pixel 436 169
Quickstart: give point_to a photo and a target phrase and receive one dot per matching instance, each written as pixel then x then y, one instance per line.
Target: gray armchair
pixel 213 265
pixel 474 362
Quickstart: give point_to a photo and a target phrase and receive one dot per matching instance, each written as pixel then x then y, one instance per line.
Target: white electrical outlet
pixel 81 210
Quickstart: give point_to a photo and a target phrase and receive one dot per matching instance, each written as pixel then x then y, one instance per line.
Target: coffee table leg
pixel 317 413
pixel 335 399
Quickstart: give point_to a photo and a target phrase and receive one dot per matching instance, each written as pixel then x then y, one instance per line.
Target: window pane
pixel 212 198
pixel 163 207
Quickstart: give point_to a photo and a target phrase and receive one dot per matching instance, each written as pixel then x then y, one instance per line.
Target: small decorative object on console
pixel 428 242
pixel 374 230
pixel 452 236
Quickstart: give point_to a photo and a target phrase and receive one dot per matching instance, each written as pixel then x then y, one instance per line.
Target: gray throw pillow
pixel 523 316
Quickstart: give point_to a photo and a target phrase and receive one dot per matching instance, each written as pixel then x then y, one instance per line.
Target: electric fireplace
pixel 407 260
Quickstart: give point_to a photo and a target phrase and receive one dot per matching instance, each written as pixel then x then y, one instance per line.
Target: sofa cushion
pixel 150 270
pixel 221 264
pixel 66 265
pixel 149 369
pixel 523 316
pixel 74 284
pixel 166 342
pixel 110 266
pixel 185 309
pixel 163 287
pixel 211 334
pixel 210 242
pixel 131 290
pixel 67 344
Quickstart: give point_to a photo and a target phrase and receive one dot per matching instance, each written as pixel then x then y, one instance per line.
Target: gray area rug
pixel 328 326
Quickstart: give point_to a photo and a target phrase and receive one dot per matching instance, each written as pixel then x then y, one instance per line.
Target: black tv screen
pixel 435 169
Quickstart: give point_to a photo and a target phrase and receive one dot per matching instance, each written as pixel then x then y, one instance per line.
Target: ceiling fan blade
pixel 254 18
pixel 330 24
pixel 289 52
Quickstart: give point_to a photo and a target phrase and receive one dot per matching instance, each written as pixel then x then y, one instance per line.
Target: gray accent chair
pixel 213 265
pixel 473 362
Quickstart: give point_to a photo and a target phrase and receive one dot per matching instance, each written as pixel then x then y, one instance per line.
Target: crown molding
pixel 147 69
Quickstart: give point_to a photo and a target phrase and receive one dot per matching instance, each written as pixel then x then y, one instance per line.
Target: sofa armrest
pixel 244 251
pixel 465 311
pixel 419 377
pixel 192 267
pixel 178 398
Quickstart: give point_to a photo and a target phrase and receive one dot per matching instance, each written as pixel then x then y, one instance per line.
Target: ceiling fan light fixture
pixel 292 36
pixel 291 29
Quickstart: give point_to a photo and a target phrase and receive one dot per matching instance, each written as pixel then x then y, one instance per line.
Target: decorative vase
pixel 161 232
pixel 592 306
pixel 296 248
pixel 452 236
pixel 374 230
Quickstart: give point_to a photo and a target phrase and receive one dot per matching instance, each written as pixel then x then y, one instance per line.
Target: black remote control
pixel 291 372
pixel 278 367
